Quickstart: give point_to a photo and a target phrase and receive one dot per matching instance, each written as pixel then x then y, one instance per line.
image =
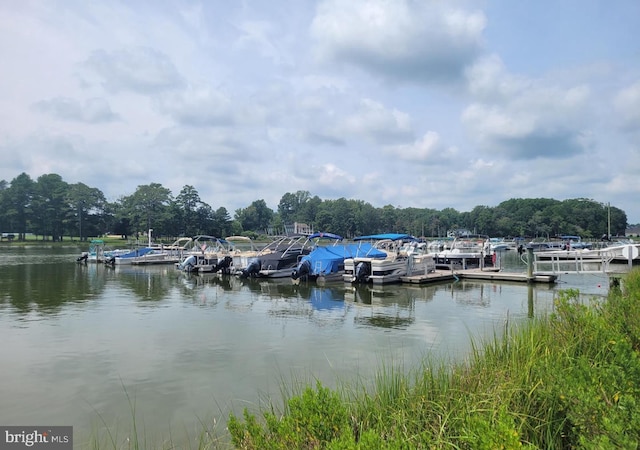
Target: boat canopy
pixel 321 235
pixel 391 236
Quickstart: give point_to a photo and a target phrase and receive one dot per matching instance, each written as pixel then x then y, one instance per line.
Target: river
pixel 104 349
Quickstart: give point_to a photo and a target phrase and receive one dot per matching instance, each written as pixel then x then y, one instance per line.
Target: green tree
pixel 147 208
pixel 18 201
pixel 292 207
pixel 256 217
pixel 188 202
pixel 49 207
pixel 87 211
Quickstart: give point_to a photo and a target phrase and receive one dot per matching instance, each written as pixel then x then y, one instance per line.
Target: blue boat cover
pixel 392 236
pixel 326 260
pixel 136 253
pixel 325 235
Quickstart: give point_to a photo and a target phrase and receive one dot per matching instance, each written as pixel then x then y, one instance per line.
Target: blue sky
pixel 428 104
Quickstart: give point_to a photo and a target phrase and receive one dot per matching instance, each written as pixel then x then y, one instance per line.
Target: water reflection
pixel 147 284
pixel 45 287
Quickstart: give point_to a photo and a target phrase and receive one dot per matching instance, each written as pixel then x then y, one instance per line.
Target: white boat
pixel 498 244
pixel 565 242
pixel 467 251
pixel 99 252
pixel 242 250
pixel 439 245
pixel 204 253
pixel 405 256
pixel 614 254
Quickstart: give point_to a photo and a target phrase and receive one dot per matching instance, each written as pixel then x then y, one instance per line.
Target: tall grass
pixel 568 380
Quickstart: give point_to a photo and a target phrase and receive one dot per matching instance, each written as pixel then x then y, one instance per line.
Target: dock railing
pixel 577 261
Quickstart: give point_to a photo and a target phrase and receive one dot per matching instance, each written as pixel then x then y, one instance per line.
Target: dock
pixel 487 274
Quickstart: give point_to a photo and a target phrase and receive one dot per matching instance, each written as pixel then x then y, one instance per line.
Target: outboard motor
pixel 302 271
pixel 362 272
pixel 252 269
pixel 224 264
pixel 188 263
pixel 111 261
pixel 83 258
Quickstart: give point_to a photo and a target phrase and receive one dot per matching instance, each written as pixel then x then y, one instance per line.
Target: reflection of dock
pixel 478 274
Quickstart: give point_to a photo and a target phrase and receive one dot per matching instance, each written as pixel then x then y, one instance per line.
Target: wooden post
pixel 530 263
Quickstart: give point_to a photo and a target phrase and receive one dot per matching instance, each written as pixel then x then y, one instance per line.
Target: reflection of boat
pixel 405 256
pixel 467 251
pixel 279 258
pixel 325 298
pixel 326 263
pixel 382 306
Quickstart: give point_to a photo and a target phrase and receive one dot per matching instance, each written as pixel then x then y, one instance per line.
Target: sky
pixel 410 103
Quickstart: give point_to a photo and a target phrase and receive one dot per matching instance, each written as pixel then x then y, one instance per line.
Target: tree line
pixel 52 208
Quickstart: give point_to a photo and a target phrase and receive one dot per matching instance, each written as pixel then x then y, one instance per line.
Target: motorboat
pixel 325 263
pixel 204 253
pixel 467 251
pixel 564 242
pixel 279 258
pixel 405 256
pixel 242 250
pixel 99 252
pixel 498 244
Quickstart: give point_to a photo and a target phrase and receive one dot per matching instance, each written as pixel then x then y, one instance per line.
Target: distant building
pixel 459 232
pixel 633 230
pixel 298 228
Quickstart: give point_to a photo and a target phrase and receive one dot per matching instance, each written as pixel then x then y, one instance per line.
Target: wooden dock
pixel 478 274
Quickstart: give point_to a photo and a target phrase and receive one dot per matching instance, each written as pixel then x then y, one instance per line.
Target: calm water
pixel 92 346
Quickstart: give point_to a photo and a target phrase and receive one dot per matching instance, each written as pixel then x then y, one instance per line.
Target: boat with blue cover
pixel 326 262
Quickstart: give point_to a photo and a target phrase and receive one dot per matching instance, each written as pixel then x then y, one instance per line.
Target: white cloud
pixel 525 118
pixel 139 69
pixel 415 103
pixel 93 110
pixel 401 40
pixel 627 105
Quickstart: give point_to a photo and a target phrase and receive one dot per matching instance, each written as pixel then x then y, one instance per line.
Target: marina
pixel 376 259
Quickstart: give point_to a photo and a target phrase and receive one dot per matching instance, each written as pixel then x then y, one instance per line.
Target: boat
pixel 405 256
pixel 154 255
pixel 498 245
pixel 438 245
pixel 466 252
pixel 99 252
pixel 150 254
pixel 325 263
pixel 623 253
pixel 242 250
pixel 205 253
pixel 279 258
